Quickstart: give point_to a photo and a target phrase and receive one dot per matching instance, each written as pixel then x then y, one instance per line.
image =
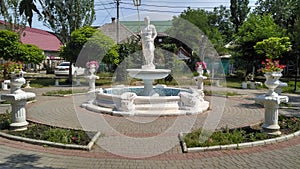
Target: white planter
pixel 272 82
pixel 16 83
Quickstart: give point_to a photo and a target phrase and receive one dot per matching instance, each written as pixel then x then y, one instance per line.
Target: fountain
pixel 148 100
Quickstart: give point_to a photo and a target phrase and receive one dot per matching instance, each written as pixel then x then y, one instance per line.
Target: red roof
pixel 43 39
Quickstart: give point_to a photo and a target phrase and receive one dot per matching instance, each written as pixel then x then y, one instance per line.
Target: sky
pixel 155 9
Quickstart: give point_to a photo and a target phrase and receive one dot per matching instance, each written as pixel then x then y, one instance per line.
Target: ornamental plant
pixel 88 64
pixel 273 47
pixel 203 65
pixel 11 68
pixel 271 66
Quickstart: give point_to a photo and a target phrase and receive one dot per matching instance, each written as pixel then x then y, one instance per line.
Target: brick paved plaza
pixel 146 142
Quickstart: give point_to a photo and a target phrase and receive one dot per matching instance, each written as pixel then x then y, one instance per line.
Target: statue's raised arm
pixel 148 35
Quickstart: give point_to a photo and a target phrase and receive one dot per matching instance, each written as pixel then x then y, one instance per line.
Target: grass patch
pixel 291 86
pixel 227 136
pixel 42 82
pixel 221 93
pixel 64 92
pixel 47 133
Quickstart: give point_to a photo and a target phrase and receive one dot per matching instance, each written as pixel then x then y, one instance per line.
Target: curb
pixel 53 144
pixel 185 149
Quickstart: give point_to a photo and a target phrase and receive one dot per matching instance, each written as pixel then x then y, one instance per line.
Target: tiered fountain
pixel 148 100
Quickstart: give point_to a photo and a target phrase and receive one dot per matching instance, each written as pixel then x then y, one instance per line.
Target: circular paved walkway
pixel 149 142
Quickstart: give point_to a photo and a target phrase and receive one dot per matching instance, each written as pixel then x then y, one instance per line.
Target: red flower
pixel 203 64
pixel 271 66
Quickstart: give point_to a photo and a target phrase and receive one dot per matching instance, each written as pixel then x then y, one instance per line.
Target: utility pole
pixel 118 23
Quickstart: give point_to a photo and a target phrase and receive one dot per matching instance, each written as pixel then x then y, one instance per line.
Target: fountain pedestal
pixel 18 99
pixel 18 102
pixel 148 76
pixel 271 104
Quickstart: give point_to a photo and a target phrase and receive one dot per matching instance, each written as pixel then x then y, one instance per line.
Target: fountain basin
pixel 110 100
pixel 150 74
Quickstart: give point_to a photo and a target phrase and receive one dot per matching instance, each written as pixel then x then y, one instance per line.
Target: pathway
pixel 139 142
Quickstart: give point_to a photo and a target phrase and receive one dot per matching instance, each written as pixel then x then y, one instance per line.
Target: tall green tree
pixel 194 28
pixel 220 17
pixel 88 43
pixel 239 10
pixel 65 16
pixel 255 29
pixel 283 11
pixel 78 38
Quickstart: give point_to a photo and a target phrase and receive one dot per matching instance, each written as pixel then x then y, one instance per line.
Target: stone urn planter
pixel 16 82
pixel 271 101
pixel 272 82
pixel 18 99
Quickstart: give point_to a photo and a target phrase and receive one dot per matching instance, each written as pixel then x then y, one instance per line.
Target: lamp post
pixel 137 3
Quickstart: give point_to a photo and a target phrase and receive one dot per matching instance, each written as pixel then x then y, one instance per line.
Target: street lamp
pixel 137 3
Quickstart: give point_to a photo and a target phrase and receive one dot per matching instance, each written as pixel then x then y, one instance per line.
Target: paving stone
pixel 64 112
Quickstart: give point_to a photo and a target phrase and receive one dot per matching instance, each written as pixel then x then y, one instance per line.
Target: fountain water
pixel 148 100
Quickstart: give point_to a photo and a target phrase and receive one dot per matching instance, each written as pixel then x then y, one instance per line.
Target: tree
pixel 273 47
pixel 9 43
pixel 89 43
pixel 193 26
pixel 27 7
pixel 12 49
pixel 239 10
pixel 28 53
pixel 255 29
pixel 220 18
pixel 3 8
pixel 65 16
pixel 283 11
pixel 77 40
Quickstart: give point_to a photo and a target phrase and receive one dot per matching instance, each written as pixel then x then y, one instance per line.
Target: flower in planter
pixel 202 64
pixel 90 63
pixel 74 139
pixel 271 66
pixel 14 68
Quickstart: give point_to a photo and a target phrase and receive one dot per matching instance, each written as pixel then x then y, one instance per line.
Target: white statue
pixel 127 102
pixel 91 78
pixel 148 35
pixel 191 100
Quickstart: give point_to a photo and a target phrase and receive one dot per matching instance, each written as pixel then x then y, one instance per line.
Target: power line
pixel 178 7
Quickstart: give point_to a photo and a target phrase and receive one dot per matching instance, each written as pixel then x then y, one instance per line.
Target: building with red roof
pixel 45 40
